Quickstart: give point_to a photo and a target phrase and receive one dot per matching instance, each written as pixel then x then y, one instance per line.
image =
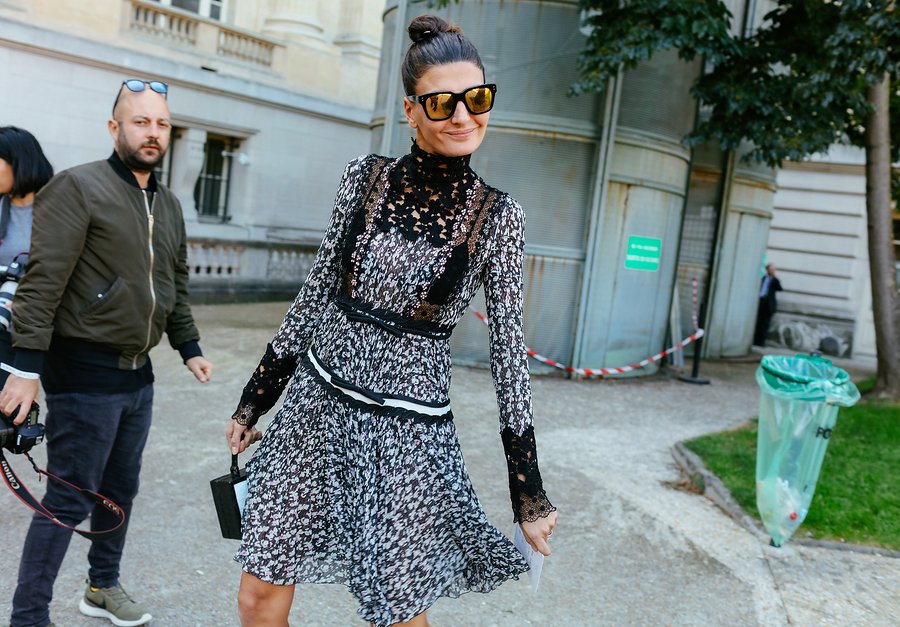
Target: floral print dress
pixel 359 478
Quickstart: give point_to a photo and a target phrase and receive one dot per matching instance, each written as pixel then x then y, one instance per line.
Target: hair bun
pixel 425 27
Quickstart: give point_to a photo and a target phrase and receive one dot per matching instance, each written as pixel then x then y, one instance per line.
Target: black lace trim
pixel 265 386
pixel 431 164
pixel 526 491
pixel 358 220
pixel 421 196
pixel 426 194
pixel 454 271
pixel 361 311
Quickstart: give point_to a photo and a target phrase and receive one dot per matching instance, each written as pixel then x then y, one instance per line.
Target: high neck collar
pixel 128 176
pixel 429 163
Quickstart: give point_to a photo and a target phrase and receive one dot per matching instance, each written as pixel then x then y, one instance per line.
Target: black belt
pixel 357 312
pixel 382 399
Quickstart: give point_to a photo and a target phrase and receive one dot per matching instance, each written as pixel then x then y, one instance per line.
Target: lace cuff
pixel 526 491
pixel 265 386
pixel 246 415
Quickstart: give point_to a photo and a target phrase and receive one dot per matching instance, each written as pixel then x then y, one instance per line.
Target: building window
pixel 213 9
pixel 211 190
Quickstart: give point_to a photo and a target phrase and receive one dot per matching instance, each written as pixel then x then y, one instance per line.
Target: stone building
pixel 622 217
pixel 269 101
pixel 818 240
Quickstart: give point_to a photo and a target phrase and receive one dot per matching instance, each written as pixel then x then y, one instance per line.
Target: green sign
pixel 643 253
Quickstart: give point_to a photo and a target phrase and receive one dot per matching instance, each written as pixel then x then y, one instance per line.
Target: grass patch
pixel 866 385
pixel 857 498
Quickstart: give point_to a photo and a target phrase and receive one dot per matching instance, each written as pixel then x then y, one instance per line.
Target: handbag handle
pixel 235 471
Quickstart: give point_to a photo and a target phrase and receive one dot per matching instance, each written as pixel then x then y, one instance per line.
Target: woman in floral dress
pixel 360 479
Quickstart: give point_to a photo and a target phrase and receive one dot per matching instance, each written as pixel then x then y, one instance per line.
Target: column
pixel 293 19
pixel 187 162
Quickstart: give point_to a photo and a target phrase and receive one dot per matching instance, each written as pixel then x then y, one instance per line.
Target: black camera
pixel 21 438
pixel 10 276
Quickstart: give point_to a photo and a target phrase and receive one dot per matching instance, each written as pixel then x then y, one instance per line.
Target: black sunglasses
pixel 440 105
pixel 137 85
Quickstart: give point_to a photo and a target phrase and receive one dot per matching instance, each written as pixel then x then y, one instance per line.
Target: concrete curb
pixel 716 491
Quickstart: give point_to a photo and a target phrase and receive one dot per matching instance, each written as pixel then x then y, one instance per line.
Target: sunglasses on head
pixel 440 105
pixel 138 85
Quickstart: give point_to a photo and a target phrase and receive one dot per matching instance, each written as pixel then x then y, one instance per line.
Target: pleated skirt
pixel 377 499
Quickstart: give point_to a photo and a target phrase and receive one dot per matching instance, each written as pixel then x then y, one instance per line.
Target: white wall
pixel 818 242
pixel 298 146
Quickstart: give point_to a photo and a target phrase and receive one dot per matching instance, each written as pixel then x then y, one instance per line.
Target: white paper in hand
pixel 240 492
pixel 534 559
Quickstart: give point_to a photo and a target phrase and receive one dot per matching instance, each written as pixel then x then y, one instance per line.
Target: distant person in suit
pixel 767 304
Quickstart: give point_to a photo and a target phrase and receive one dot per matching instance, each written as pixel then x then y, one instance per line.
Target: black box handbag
pixel 229 493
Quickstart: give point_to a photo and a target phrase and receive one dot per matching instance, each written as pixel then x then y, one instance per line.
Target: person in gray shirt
pixel 23 171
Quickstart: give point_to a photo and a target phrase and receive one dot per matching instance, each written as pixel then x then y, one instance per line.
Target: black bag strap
pixel 15 484
pixel 235 471
pixel 4 215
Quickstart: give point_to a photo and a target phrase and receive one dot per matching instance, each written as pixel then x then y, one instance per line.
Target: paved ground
pixel 628 551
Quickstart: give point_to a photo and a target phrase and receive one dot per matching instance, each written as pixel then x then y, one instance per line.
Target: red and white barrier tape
pixel 694 304
pixel 588 372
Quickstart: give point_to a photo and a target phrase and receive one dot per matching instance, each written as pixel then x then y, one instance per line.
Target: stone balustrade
pixel 169 26
pixel 245 47
pixel 214 260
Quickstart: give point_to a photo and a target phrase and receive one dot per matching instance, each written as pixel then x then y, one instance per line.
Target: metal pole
pixel 724 200
pixel 695 377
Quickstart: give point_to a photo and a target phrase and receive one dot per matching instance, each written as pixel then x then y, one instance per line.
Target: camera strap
pixel 4 215
pixel 15 484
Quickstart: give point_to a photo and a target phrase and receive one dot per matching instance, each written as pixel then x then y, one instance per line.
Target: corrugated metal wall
pixel 698 234
pixel 583 305
pixel 625 312
pixel 735 294
pixel 541 148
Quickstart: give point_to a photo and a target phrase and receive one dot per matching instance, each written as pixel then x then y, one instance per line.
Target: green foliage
pixel 895 117
pixel 624 34
pixel 794 88
pixel 858 494
pixel 798 85
pixel 895 173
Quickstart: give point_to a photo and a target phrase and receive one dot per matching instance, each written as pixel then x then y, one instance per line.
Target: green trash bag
pixel 797 413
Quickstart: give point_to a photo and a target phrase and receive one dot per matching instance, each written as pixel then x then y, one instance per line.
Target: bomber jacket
pixel 108 267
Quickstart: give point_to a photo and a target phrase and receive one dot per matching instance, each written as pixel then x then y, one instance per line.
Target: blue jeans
pixel 94 441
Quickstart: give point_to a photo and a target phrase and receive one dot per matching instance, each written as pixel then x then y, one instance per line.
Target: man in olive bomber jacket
pixel 107 275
